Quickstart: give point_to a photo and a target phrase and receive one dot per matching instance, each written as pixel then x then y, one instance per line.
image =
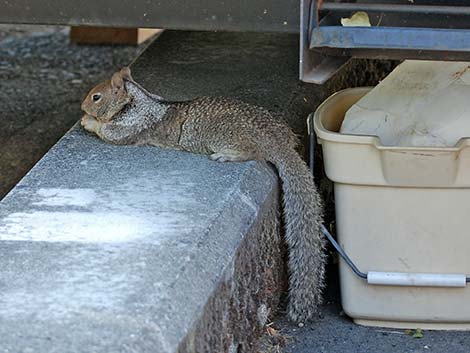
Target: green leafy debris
pixel 418 333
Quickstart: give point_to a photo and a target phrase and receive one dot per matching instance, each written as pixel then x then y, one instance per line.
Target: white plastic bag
pixel 421 103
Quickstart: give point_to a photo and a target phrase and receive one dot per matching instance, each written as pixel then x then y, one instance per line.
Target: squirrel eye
pixel 96 97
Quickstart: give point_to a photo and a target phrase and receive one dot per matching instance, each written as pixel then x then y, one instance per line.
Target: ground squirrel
pixel 121 111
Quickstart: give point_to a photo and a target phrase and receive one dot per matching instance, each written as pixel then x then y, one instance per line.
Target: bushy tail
pixel 303 211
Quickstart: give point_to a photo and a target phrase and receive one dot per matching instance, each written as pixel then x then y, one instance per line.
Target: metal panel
pixel 391 38
pixel 397 8
pixel 314 67
pixel 229 15
pixel 418 29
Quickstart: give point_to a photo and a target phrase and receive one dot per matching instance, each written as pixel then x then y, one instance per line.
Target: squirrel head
pixel 109 97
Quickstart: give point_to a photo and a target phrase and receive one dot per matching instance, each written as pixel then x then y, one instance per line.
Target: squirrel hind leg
pixel 232 156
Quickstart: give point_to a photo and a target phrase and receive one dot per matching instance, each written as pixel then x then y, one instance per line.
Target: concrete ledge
pixel 108 248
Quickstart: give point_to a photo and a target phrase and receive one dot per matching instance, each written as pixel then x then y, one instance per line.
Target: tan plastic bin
pixel 399 210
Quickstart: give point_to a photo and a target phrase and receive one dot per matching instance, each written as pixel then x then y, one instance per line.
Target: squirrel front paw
pixel 89 123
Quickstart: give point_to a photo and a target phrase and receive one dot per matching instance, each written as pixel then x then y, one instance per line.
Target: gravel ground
pixel 43 78
pixel 334 332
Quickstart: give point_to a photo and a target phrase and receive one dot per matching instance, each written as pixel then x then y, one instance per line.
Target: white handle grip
pixel 416 279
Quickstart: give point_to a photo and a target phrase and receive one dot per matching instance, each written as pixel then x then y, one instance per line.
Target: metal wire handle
pixel 331 239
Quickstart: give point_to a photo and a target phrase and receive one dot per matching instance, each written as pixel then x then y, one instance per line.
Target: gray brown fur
pixel 226 130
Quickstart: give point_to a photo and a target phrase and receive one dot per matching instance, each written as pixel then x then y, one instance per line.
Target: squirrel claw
pixel 218 157
pixel 229 156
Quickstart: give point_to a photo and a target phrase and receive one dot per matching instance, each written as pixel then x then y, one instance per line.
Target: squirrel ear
pixel 117 83
pixel 126 73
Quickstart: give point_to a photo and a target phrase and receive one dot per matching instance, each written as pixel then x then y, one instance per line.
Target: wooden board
pixel 107 35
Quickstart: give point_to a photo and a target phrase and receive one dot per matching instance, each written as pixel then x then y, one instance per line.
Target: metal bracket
pixel 423 29
pixel 314 67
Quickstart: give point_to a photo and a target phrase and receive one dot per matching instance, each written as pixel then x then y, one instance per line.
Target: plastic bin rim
pixel 332 136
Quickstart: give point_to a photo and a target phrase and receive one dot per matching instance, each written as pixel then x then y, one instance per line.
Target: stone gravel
pixel 43 78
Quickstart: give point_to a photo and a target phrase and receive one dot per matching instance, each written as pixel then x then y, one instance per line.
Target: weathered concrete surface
pixel 108 248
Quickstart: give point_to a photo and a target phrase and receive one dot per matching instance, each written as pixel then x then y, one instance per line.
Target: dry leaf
pixel 358 19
